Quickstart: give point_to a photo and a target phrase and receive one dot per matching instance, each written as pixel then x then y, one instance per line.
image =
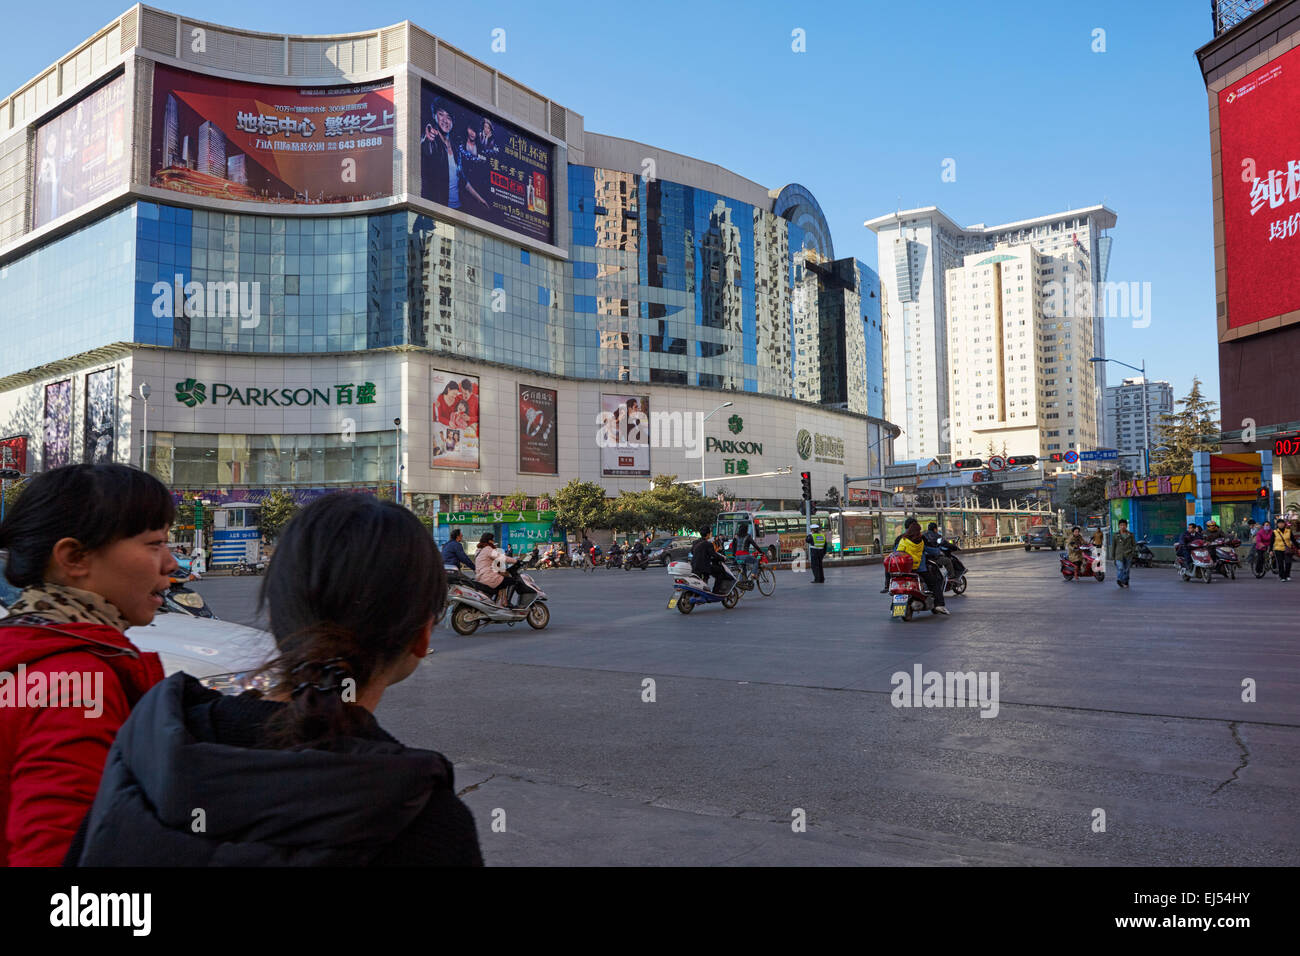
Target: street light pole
pixel 703 443
pixel 1146 437
pixel 144 441
pixel 397 484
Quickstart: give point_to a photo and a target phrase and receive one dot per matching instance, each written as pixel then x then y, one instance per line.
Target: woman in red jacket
pixel 88 546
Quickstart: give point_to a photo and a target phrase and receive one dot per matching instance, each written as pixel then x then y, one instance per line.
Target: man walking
pixel 817 551
pixel 1123 551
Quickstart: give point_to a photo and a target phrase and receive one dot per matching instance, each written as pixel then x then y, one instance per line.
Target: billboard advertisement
pixel 538 438
pixel 455 420
pixel 99 432
pixel 626 415
pixel 258 143
pixel 13 453
pixel 484 166
pixel 58 424
pixel 82 153
pixel 1260 146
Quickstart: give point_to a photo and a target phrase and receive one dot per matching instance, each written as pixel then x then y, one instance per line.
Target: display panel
pixel 484 166
pixel 625 415
pixel 538 434
pixel 258 143
pixel 455 434
pixel 1260 148
pixel 82 153
pixel 99 432
pixel 57 445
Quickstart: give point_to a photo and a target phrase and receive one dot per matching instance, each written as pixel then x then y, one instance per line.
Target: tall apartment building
pixel 916 250
pixel 1018 374
pixel 1123 424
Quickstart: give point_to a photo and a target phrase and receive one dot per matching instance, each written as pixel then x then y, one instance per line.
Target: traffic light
pixel 806 477
pixel 1057 456
pixel 1264 494
pixel 1022 460
pixel 968 463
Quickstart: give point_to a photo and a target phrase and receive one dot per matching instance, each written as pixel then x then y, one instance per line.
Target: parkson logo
pixel 736 424
pixel 191 393
pixel 803 442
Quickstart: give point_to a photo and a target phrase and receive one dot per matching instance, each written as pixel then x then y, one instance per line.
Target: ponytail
pixel 321 689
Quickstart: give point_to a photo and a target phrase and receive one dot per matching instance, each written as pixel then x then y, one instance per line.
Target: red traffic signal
pixel 968 463
pixel 1022 460
pixel 806 478
pixel 1264 493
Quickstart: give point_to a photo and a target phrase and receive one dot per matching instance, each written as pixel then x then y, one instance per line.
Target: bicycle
pixel 764 578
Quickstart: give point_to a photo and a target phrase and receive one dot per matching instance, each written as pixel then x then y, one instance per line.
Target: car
pixel 1041 536
pixel 665 550
pixel 222 655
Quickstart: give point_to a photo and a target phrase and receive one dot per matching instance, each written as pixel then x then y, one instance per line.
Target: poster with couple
pixel 455 436
pixel 538 441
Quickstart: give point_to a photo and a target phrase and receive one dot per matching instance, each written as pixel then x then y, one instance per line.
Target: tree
pixel 12 490
pixel 833 495
pixel 993 450
pixel 580 505
pixel 1088 495
pixel 1193 427
pixel 515 501
pixel 278 509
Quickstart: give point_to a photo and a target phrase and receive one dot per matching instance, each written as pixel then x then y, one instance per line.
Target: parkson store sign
pixel 192 393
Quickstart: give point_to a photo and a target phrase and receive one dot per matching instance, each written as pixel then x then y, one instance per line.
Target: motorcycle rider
pixel 1076 544
pixel 1184 546
pixel 912 542
pixel 485 573
pixel 706 562
pixel 638 554
pixel 453 553
pixel 934 539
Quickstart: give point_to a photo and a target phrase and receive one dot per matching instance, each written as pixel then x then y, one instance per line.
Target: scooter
pixel 907 589
pixel 1201 566
pixel 472 604
pixel 178 599
pixel 1226 560
pixel 689 589
pixel 1145 557
pixel 956 582
pixel 244 567
pixel 615 559
pixel 1094 566
pixel 636 559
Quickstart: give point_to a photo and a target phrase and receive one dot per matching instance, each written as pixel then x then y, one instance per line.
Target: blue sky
pixel 1036 121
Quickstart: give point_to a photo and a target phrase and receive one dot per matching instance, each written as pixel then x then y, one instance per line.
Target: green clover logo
pixel 803 443
pixel 191 393
pixel 736 424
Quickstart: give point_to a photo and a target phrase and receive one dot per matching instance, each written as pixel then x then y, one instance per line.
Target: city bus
pixel 779 533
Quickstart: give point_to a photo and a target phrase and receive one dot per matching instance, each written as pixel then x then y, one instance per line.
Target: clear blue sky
pixel 1036 121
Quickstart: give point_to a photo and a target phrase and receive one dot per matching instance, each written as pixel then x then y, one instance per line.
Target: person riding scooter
pixel 1183 549
pixel 453 553
pixel 912 543
pixel 707 563
pixel 1076 544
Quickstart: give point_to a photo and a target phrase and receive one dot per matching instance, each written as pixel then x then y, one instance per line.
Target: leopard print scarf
pixel 67 605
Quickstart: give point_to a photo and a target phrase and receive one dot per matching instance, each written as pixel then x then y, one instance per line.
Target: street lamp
pixel 1146 438
pixel 703 443
pixel 144 441
pixel 397 485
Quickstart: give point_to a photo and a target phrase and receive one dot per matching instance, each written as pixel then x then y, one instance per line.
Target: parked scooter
pixel 689 589
pixel 908 592
pixel 1093 566
pixel 245 567
pixel 1226 561
pixel 1145 557
pixel 1201 565
pixel 472 604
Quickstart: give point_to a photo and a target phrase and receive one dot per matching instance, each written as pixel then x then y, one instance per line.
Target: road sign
pixel 1071 456
pixel 997 463
pixel 1099 454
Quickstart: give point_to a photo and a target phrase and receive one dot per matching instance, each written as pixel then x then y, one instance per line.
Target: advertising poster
pixel 258 143
pixel 630 459
pixel 58 424
pixel 82 153
pixel 13 453
pixel 1260 144
pixel 538 438
pixel 484 166
pixel 101 407
pixel 455 420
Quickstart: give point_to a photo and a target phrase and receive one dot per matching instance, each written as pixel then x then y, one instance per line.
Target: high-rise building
pixel 171 133
pixel 916 250
pixel 212 150
pixel 1018 375
pixel 1123 423
pixel 237 169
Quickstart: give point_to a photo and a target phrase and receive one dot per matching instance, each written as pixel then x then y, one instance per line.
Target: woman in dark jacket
pixel 303 775
pixel 87 544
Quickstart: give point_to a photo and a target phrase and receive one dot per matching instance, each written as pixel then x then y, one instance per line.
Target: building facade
pixel 1252 78
pixel 1123 421
pixel 369 260
pixel 917 250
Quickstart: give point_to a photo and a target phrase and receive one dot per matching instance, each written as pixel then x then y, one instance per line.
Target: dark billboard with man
pixel 484 166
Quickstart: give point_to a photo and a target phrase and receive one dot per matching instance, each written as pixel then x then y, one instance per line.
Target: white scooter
pixel 689 589
pixel 472 604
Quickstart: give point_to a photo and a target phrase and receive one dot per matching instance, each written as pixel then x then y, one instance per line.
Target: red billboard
pixel 1260 142
pixel 13 453
pixel 260 143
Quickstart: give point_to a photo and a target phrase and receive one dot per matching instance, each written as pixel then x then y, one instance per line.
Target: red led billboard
pixel 1260 141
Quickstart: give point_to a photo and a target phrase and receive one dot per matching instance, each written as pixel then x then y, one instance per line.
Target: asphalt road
pixel 1127 703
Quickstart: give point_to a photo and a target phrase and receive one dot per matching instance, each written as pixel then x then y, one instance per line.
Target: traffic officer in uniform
pixel 817 551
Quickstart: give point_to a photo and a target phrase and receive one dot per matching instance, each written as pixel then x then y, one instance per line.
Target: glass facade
pixel 201 461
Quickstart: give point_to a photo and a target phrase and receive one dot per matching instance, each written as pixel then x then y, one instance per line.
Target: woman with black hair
pixel 304 775
pixel 88 546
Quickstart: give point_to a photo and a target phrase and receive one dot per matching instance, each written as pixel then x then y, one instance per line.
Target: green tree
pixel 580 505
pixel 278 509
pixel 515 501
pixel 1193 427
pixel 1088 495
pixel 13 489
pixel 627 513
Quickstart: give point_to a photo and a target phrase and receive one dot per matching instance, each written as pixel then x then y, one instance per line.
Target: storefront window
pixel 259 461
pixel 1161 519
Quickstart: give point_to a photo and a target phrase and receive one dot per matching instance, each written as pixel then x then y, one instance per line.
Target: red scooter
pixel 907 591
pixel 1226 560
pixel 1093 566
pixel 1201 566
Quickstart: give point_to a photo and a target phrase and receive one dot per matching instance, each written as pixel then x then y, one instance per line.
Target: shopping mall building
pixel 334 260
